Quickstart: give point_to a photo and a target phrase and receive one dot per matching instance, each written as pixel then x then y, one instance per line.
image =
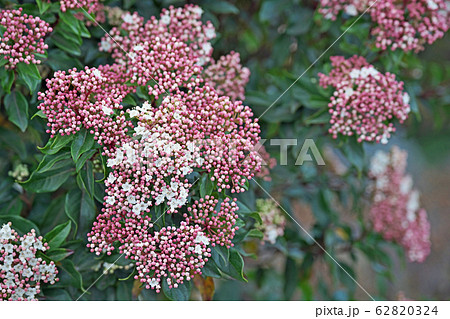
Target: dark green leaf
pixel 57 236
pixel 48 181
pixel 29 73
pixel 17 109
pixel 83 142
pixel 182 293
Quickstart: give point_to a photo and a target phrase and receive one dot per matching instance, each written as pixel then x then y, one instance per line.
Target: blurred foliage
pixel 279 40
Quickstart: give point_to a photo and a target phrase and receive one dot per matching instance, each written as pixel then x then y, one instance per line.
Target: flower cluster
pixel 20 172
pixel 153 150
pixel 267 163
pixel 405 25
pixel 216 220
pixel 87 99
pixel 162 52
pixel 365 101
pixel 153 165
pixel 395 211
pixel 273 221
pixel 21 272
pixel 173 254
pixel 228 76
pixel 22 38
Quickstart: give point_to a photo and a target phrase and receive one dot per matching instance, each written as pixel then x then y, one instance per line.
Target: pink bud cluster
pixel 267 163
pixel 216 220
pixel 87 99
pixel 21 272
pixel 162 52
pixel 273 221
pixel 228 76
pixel 365 101
pixel 91 6
pixel 405 25
pixel 23 36
pixel 173 254
pixel 395 211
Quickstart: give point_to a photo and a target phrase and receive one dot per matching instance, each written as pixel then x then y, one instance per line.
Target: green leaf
pixel 85 179
pixel 48 181
pixel 206 185
pixel 182 293
pixel 68 266
pixel 58 254
pixel 29 73
pixel 20 224
pixel 66 45
pixel 81 210
pixel 6 79
pixel 49 161
pixel 83 142
pixel 255 233
pixel 43 6
pixel 57 236
pixel 55 144
pixel 70 21
pixel 221 7
pixel 83 158
pixel 236 269
pixel 17 109
pixel 40 114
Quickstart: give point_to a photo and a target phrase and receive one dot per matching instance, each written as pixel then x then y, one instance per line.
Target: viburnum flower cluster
pixel 395 211
pixel 405 25
pixel 228 76
pixel 365 101
pixel 22 36
pixel 273 220
pixel 152 150
pixel 21 271
pixel 87 99
pixel 217 220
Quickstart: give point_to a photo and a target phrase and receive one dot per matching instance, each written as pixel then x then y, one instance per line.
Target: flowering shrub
pixel 141 158
pixel 395 211
pixel 404 25
pixel 21 270
pixel 22 36
pixel 355 105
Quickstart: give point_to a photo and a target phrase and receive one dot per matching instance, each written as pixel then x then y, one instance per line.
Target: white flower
pixel 105 45
pixel 348 92
pixel 106 109
pixel 201 238
pixel 200 161
pixel 133 113
pixel 351 10
pixel 405 98
pixel 379 163
pixel 197 10
pixel 354 74
pixel 206 47
pixel 131 199
pixel 138 47
pixel 432 5
pixel 165 19
pixel 110 200
pixel 128 18
pixel 111 178
pixel 210 33
pixel 126 187
pixel 5 232
pixel 198 249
